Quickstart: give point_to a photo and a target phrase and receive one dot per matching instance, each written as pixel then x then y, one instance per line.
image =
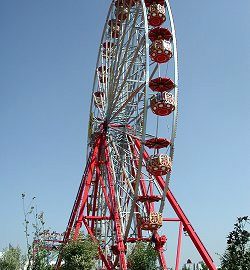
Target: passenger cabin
pixel 162 104
pixel 157 143
pixel 159 164
pixel 156 12
pixel 151 222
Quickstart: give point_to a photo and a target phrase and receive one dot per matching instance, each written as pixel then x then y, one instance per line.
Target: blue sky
pixel 48 52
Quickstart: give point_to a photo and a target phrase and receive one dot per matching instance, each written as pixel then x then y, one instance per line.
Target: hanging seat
pixel 151 222
pixel 150 2
pixel 157 143
pixel 159 164
pixel 162 104
pixel 161 84
pixel 149 198
pixel 156 12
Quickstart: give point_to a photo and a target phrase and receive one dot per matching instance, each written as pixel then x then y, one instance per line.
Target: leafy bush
pixel 143 257
pixel 79 254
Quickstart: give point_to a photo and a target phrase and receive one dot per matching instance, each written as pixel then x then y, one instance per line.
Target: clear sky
pixel 48 51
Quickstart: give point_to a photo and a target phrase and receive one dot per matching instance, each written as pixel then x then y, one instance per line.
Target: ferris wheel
pixel 131 133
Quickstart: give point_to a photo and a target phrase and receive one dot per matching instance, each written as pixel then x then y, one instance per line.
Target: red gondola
pixel 160 33
pixel 159 164
pixel 162 104
pixel 151 222
pixel 151 2
pixel 156 14
pixel 149 198
pixel 161 84
pixel 157 143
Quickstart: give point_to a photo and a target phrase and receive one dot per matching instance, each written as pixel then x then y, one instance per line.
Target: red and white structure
pixel 132 128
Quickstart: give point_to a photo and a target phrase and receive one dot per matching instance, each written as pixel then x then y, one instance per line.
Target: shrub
pixel 79 254
pixel 143 257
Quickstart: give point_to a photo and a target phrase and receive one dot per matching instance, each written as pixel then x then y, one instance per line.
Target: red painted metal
pixel 96 183
pixel 116 215
pixel 84 187
pixel 162 103
pixel 97 217
pixel 161 84
pixel 150 2
pixel 93 175
pixel 178 252
pixel 171 219
pixel 149 208
pixel 160 33
pixel 156 14
pixel 87 175
pixel 186 223
pixel 159 244
pixel 157 143
pixel 190 230
pixel 104 189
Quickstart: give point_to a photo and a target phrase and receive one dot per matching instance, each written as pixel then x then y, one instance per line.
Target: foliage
pixel 37 254
pixel 237 254
pixel 40 261
pixel 12 259
pixel 79 254
pixel 143 257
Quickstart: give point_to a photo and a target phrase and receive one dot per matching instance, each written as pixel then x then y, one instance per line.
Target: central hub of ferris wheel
pixel 132 128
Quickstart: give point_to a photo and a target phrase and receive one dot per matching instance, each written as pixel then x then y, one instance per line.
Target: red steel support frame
pixel 87 176
pixel 77 217
pixel 116 214
pixel 186 223
pixel 149 208
pixel 178 253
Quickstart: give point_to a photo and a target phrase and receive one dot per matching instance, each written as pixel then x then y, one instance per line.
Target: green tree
pixel 12 259
pixel 79 254
pixel 237 254
pixel 143 257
